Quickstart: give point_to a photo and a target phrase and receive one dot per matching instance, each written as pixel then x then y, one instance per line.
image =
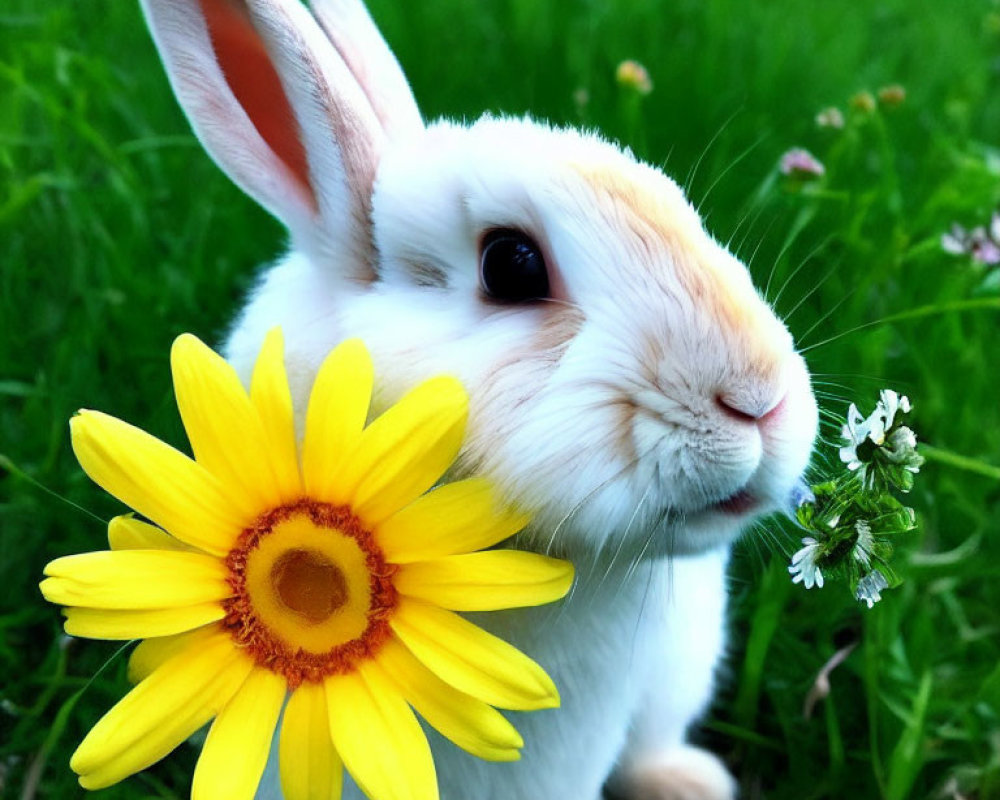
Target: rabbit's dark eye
pixel 512 267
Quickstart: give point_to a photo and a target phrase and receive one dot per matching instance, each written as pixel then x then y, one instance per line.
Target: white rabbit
pixel 625 378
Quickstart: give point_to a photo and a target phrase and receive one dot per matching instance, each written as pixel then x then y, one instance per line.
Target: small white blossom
pixel 900 440
pixel 804 568
pixel 901 448
pixel 981 245
pixel 870 587
pixel 954 241
pixel 882 418
pixel 855 431
pixel 864 543
pixel 830 118
pixel 891 403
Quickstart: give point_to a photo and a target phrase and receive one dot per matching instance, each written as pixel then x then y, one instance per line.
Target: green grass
pixel 117 234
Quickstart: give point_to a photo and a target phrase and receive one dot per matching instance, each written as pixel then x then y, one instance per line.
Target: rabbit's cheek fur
pixel 641 395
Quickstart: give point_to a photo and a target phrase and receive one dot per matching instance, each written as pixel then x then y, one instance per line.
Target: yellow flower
pixel 863 101
pixel 336 582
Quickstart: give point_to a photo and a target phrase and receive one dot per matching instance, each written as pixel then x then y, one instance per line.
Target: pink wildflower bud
pixel 800 163
pixel 633 75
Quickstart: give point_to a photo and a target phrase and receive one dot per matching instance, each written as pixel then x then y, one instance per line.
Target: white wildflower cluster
pixel 877 444
pixel 853 517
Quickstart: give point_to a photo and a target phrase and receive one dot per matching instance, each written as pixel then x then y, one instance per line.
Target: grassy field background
pixel 117 233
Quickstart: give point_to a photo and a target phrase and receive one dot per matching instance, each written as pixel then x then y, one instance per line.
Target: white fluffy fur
pixel 600 410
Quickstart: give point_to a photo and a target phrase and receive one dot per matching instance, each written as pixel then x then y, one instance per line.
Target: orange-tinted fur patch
pixel 658 218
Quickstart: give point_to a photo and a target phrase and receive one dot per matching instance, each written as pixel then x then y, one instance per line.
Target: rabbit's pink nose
pixel 750 409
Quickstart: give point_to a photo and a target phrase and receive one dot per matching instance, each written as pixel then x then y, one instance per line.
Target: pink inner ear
pixel 252 78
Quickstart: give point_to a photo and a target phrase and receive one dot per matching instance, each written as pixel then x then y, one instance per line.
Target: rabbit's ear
pixel 283 113
pixel 362 47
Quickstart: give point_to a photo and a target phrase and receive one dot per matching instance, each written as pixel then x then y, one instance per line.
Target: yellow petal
pixel 379 738
pixel 226 433
pixel 338 408
pixel 310 766
pixel 150 654
pixel 472 660
pixel 239 740
pixel 161 711
pixel 100 623
pixel 471 724
pixel 487 581
pixel 455 518
pixel 272 399
pixel 125 532
pixel 404 452
pixel 135 579
pixel 156 480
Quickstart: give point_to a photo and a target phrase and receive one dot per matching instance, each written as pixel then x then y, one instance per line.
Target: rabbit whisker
pixel 589 496
pixel 760 241
pixel 733 163
pixel 825 317
pixel 830 272
pixel 693 172
pixel 628 528
pixel 791 276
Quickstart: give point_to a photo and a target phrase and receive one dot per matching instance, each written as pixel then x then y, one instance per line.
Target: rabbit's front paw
pixel 682 773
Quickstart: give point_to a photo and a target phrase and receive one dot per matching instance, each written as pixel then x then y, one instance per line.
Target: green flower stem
pixel 933 309
pixel 630 110
pixel 940 456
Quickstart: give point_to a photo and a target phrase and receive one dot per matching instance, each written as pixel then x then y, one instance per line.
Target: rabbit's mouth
pixel 744 501
pixel 741 502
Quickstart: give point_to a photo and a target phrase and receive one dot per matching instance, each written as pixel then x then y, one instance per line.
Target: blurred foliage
pixel 118 233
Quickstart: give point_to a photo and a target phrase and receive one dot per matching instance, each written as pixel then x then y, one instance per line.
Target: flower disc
pixel 311 591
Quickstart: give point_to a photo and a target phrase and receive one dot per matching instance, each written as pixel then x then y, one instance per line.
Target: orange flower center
pixel 309 584
pixel 312 591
